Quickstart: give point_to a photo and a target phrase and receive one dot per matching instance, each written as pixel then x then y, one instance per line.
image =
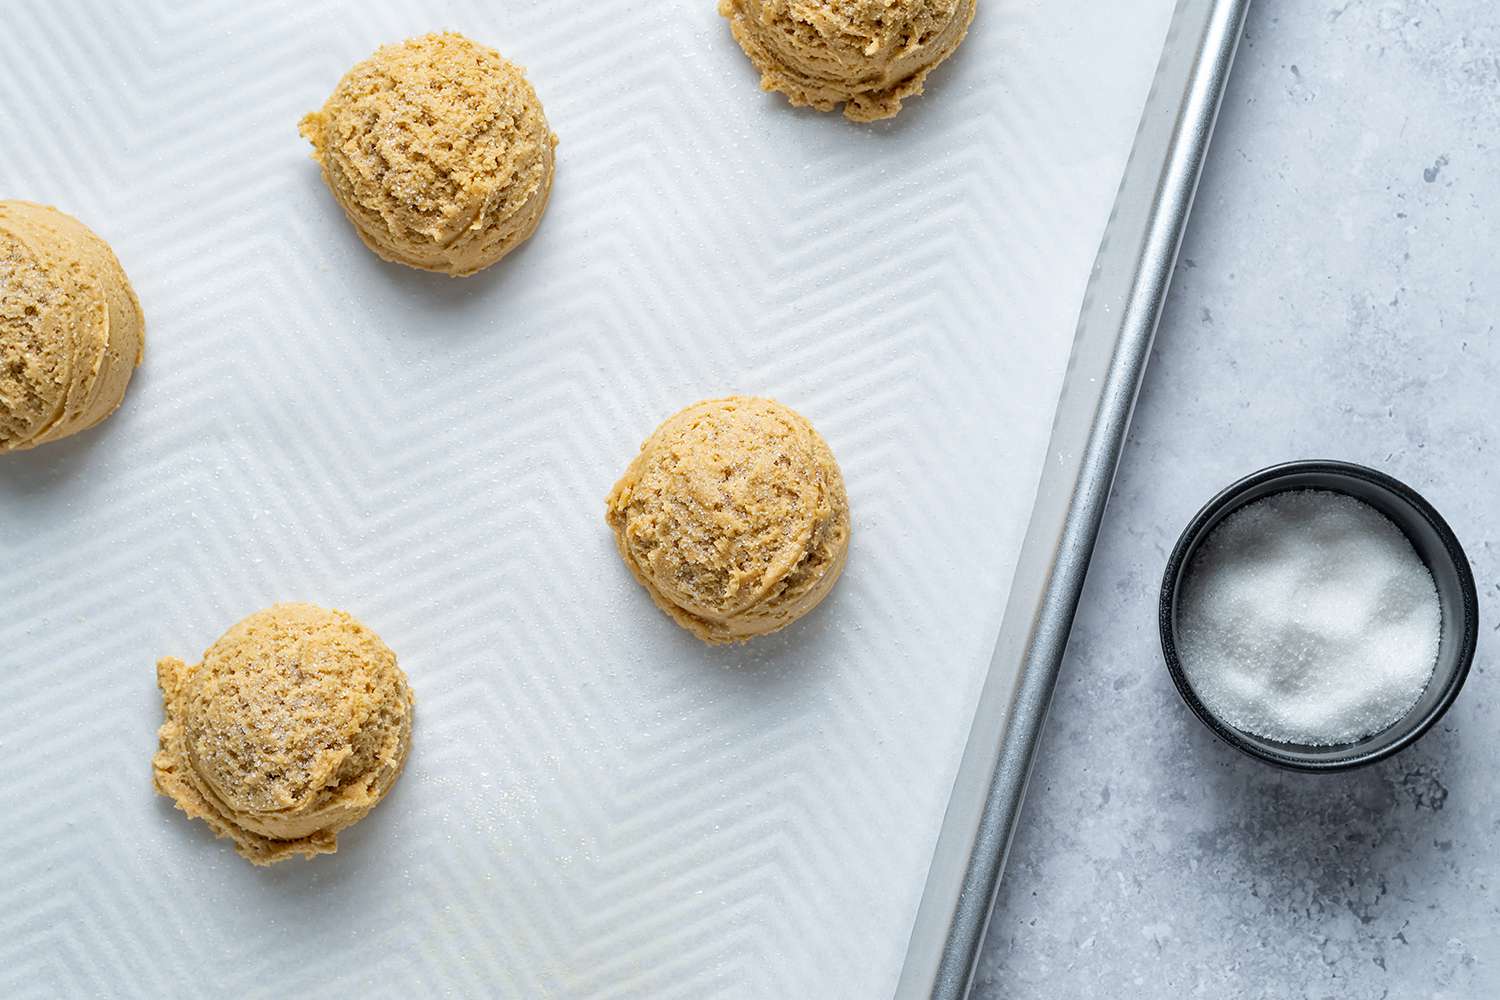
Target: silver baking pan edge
pixel 1116 325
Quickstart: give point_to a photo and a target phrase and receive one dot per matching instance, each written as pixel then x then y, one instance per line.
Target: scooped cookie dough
pixel 438 151
pixel 733 517
pixel 71 328
pixel 864 54
pixel 296 723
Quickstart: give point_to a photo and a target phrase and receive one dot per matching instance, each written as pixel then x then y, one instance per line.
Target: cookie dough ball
pixel 294 726
pixel 733 517
pixel 438 151
pixel 864 54
pixel 71 328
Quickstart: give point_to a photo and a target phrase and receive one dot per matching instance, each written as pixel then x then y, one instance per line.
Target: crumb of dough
pixel 438 151
pixel 867 55
pixel 71 327
pixel 734 518
pixel 294 726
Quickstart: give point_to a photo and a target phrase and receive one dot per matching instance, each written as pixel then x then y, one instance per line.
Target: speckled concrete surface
pixel 1338 296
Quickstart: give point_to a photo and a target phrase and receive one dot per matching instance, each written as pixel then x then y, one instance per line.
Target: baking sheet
pixel 595 805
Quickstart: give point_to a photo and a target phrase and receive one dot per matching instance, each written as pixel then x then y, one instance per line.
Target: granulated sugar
pixel 1307 617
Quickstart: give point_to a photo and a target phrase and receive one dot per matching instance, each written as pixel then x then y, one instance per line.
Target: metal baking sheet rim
pixel 1116 326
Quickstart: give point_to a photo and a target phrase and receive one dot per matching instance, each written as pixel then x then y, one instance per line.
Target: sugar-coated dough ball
pixel 71 328
pixel 296 723
pixel 733 517
pixel 864 54
pixel 438 151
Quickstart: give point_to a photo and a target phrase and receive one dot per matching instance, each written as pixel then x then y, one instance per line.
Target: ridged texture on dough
pixel 733 517
pixel 438 151
pixel 71 328
pixel 867 55
pixel 296 723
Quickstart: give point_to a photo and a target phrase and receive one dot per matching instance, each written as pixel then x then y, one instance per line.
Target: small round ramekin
pixel 1433 541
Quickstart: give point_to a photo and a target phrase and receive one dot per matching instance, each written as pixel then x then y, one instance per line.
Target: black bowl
pixel 1435 544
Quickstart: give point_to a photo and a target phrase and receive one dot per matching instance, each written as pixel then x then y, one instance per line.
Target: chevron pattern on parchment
pixel 596 806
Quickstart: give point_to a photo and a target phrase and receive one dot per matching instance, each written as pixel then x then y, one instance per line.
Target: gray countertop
pixel 1338 296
